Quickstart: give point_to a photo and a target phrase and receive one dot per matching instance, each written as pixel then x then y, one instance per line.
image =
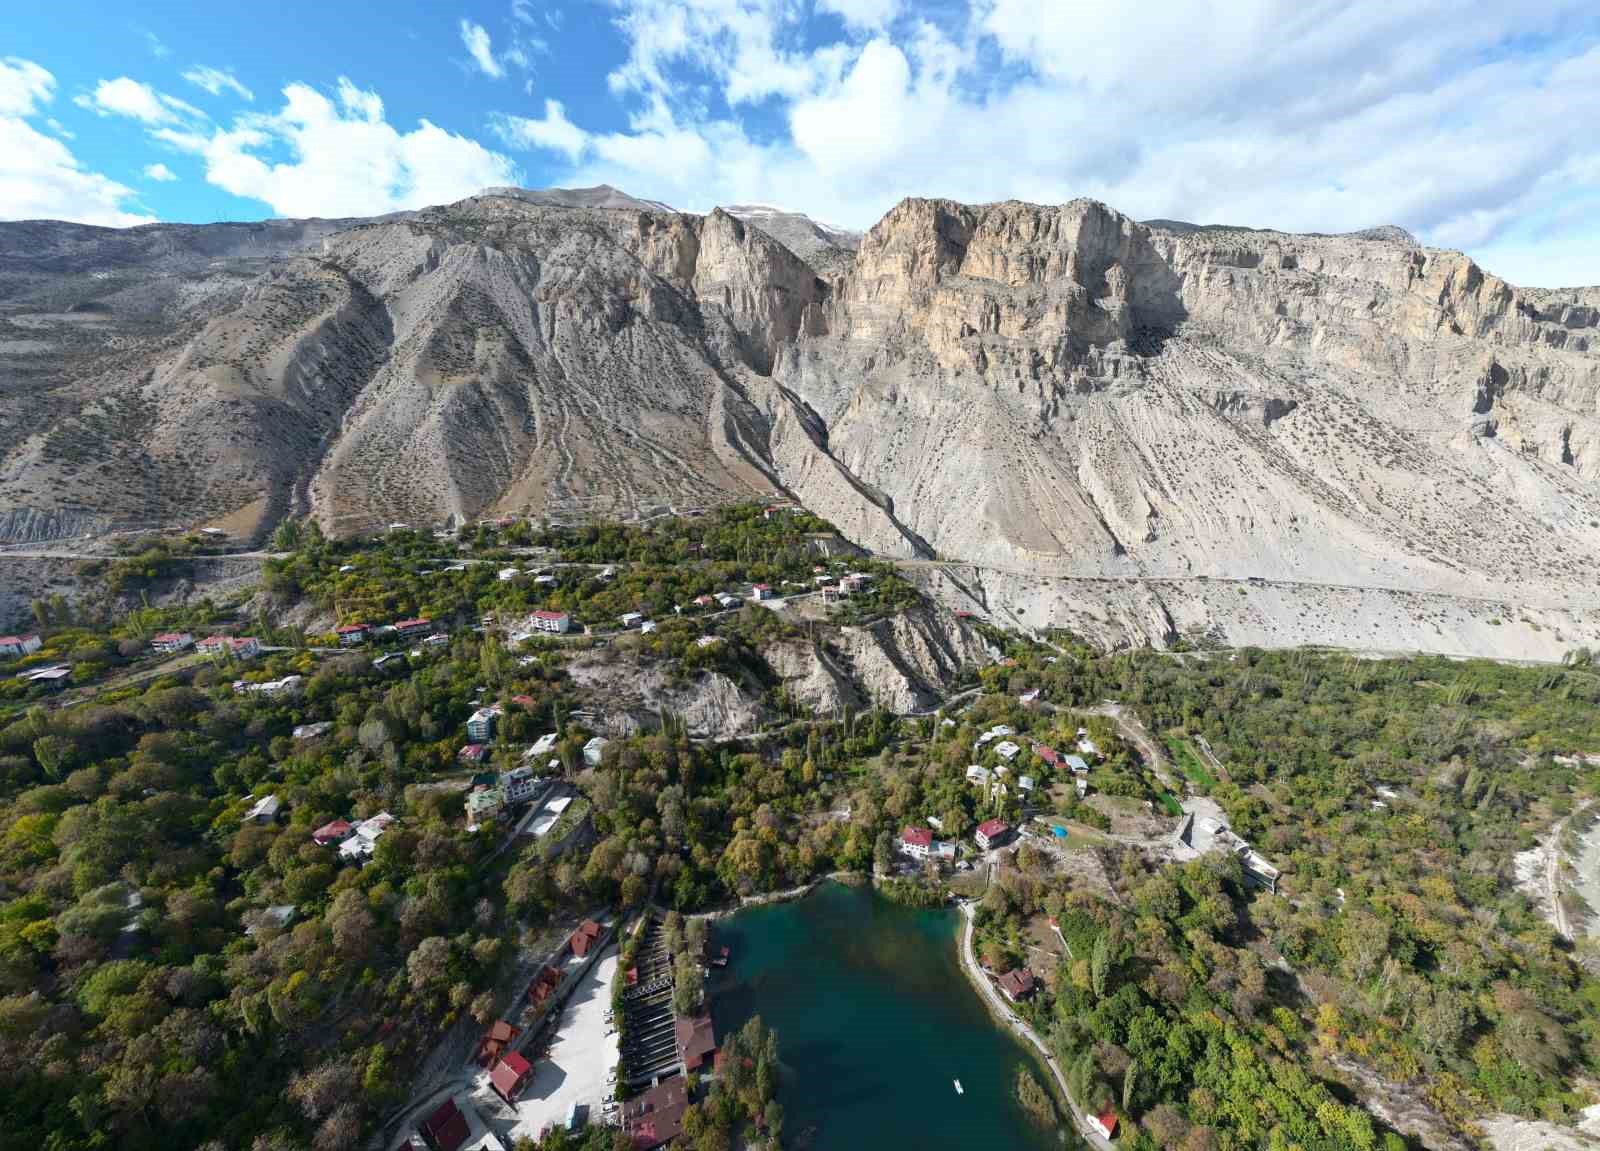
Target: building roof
pixel 1018 983
pixel 990 828
pixel 1076 762
pixel 1108 1122
pixel 418 622
pixel 542 613
pixel 266 805
pixel 350 628
pixel 696 1038
pixel 164 637
pixel 1046 754
pixel 338 829
pixel 509 1073
pixel 917 837
pixel 447 1127
pixel 656 1116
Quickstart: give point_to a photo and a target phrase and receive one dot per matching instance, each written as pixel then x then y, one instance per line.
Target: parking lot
pixel 578 1065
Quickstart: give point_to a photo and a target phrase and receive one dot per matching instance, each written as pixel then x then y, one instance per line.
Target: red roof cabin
pixel 351 634
pixel 545 985
pixel 331 833
pixel 583 938
pixel 1105 1123
pixel 511 1075
pixel 696 1039
pixel 916 841
pixel 413 626
pixel 992 832
pixel 447 1127
pixel 1047 754
pixel 473 753
pixel 494 1042
pixel 1017 985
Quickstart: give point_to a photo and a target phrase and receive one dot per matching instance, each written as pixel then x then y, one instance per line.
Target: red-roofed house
pixel 656 1117
pixel 238 646
pixel 696 1039
pixel 494 1042
pixel 761 591
pixel 1105 1123
pixel 17 645
pixel 473 753
pixel 407 627
pixel 917 842
pixel 510 1075
pixel 545 985
pixel 526 702
pixel 330 833
pixel 447 1127
pixel 1047 754
pixel 1016 985
pixel 351 634
pixel 992 832
pixel 583 938
pixel 171 642
pixel 553 621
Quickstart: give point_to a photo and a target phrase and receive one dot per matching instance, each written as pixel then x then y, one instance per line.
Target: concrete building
pixel 171 642
pixel 19 645
pixel 480 724
pixel 594 750
pixel 992 833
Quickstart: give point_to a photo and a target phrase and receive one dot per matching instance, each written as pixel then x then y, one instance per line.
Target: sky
pixel 1472 126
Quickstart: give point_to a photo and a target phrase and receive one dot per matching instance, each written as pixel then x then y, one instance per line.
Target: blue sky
pixel 1472 128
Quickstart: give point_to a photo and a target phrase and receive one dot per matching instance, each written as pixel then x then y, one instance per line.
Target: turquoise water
pixel 875 1019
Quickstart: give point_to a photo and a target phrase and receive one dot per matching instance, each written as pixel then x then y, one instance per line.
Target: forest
pixel 154 993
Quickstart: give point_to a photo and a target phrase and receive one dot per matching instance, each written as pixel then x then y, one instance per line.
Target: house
pixel 351 634
pixel 1077 763
pixel 630 619
pixel 726 600
pixel 944 851
pixel 480 724
pixel 437 639
pixel 330 833
pixel 1007 750
pixel 647 627
pixel 1025 783
pixel 313 730
pixel 992 832
pixel 584 938
pixel 1105 1123
pixel 473 753
pixel 696 1040
pixel 510 1076
pixel 50 678
pixel 484 802
pixel 506 575
pixel 447 1128
pixel 655 1117
pixel 979 775
pixel 288 685
pixel 391 657
pixel 364 837
pixel 1016 985
pixel 708 641
pixel 545 985
pixel 558 622
pixel 265 810
pixel 278 916
pixel 543 746
pixel 1087 746
pixel 916 842
pixel 239 647
pixel 171 642
pixel 594 749
pixel 1046 754
pixel 1081 783
pixel 19 645
pixel 702 601
pixel 936 823
pixel 854 582
pixel 1029 698
pixel 998 731
pixel 517 785
pixel 545 579
pixel 761 591
pixel 409 627
pixel 495 1041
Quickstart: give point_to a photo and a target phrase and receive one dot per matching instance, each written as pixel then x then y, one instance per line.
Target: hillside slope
pixel 1051 394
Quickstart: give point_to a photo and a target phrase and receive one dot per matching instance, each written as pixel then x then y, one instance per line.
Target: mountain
pixel 1136 430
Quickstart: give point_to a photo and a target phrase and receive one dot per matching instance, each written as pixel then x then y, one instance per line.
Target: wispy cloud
pixel 475 37
pixel 159 173
pixel 138 101
pixel 216 80
pixel 153 43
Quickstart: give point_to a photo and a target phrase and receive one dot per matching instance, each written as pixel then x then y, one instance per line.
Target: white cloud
pixel 871 15
pixel 159 173
pixel 214 80
pixel 476 39
pixel 1456 123
pixel 139 101
pixel 553 132
pixel 39 176
pixel 156 47
pixel 344 157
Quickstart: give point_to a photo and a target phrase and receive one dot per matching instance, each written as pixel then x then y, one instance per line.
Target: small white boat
pixel 958 1088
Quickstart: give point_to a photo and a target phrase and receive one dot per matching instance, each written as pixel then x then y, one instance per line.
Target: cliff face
pixel 1046 392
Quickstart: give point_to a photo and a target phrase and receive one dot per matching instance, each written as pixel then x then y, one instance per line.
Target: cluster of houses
pixel 355 841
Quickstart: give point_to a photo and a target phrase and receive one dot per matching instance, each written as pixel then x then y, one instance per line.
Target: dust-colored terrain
pixel 1137 431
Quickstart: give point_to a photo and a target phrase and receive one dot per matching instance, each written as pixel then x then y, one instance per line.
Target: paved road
pixel 1001 1008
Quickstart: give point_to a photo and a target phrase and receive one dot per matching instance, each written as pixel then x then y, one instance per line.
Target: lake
pixel 875 1019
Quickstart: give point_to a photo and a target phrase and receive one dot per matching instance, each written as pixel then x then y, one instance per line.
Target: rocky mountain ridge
pixel 1045 392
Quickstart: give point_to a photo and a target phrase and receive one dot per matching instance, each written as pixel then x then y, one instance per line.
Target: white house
pixel 631 618
pixel 1077 763
pixel 480 724
pixel 761 591
pixel 647 627
pixel 1007 750
pixel 726 600
pixel 916 842
pixel 518 785
pixel 708 641
pixel 265 810
pixel 594 749
pixel 171 642
pixel 979 775
pixel 556 622
pixel 1086 746
pixel 998 731
pixel 542 746
pixel 240 647
pixel 508 574
pixel 1025 782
